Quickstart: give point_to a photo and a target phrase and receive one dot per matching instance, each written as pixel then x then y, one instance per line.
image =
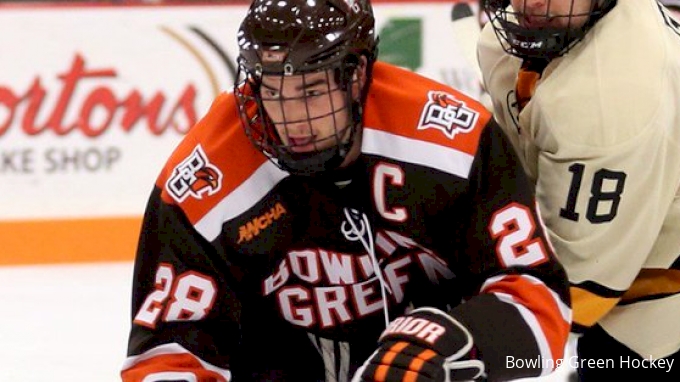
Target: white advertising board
pixel 94 98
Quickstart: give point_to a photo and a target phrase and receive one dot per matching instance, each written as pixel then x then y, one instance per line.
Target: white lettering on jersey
pixel 514 227
pixel 191 296
pixel 326 288
pixel 153 305
pixel 294 306
pixel 394 176
pixel 419 327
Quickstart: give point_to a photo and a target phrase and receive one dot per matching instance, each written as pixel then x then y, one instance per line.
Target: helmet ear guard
pixel 345 74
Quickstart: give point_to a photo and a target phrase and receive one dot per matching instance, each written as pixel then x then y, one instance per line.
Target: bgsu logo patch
pixel 444 112
pixel 194 177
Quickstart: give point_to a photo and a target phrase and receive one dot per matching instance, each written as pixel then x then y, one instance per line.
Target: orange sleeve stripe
pixel 588 307
pixel 542 302
pixel 168 363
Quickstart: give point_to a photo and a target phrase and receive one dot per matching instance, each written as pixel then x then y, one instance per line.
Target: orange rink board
pixel 86 240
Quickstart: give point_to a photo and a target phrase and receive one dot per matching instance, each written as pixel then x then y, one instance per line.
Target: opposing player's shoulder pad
pixel 211 161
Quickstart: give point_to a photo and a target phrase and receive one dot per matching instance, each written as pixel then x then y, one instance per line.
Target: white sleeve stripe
pixel 169 349
pixel 565 310
pixel 491 280
pixel 409 150
pixel 240 200
pixel 532 322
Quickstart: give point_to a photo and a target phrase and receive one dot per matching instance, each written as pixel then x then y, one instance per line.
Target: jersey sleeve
pixel 184 325
pixel 608 207
pixel 520 308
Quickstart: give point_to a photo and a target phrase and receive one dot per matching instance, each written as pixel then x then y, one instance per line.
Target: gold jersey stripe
pixel 588 307
pixel 652 282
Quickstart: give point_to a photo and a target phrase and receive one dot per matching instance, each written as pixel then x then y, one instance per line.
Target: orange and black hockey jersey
pixel 247 273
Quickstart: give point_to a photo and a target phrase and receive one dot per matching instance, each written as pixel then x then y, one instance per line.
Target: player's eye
pixel 269 93
pixel 314 93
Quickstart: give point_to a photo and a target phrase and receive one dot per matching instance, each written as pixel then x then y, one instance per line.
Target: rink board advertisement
pixel 94 98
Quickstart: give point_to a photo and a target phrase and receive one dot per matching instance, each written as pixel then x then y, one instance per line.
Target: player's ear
pixel 361 72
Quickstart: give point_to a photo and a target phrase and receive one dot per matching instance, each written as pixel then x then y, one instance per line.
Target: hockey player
pixel 331 198
pixel 587 90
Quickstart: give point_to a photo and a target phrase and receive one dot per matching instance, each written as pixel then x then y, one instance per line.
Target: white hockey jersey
pixel 600 137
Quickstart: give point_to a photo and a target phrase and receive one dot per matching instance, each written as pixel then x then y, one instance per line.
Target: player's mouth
pixel 535 22
pixel 302 144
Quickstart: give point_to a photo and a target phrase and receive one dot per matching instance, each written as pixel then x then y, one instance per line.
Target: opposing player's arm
pixel 609 209
pixel 184 321
pixel 521 310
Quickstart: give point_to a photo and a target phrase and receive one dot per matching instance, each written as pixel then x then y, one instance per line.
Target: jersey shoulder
pixel 406 111
pixel 589 91
pixel 214 161
pixel 491 56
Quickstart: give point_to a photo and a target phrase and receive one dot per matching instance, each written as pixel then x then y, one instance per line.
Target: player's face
pixel 537 14
pixel 309 111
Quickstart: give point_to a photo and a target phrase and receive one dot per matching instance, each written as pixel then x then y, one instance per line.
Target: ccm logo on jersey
pixel 444 112
pixel 194 177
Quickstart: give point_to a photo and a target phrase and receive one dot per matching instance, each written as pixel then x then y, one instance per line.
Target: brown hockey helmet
pixel 299 37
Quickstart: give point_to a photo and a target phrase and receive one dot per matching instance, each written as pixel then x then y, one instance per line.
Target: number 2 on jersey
pixel 514 227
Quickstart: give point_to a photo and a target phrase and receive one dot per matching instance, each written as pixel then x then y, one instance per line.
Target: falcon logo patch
pixel 444 112
pixel 194 177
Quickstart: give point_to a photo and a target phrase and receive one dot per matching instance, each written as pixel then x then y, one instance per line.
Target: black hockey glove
pixel 426 345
